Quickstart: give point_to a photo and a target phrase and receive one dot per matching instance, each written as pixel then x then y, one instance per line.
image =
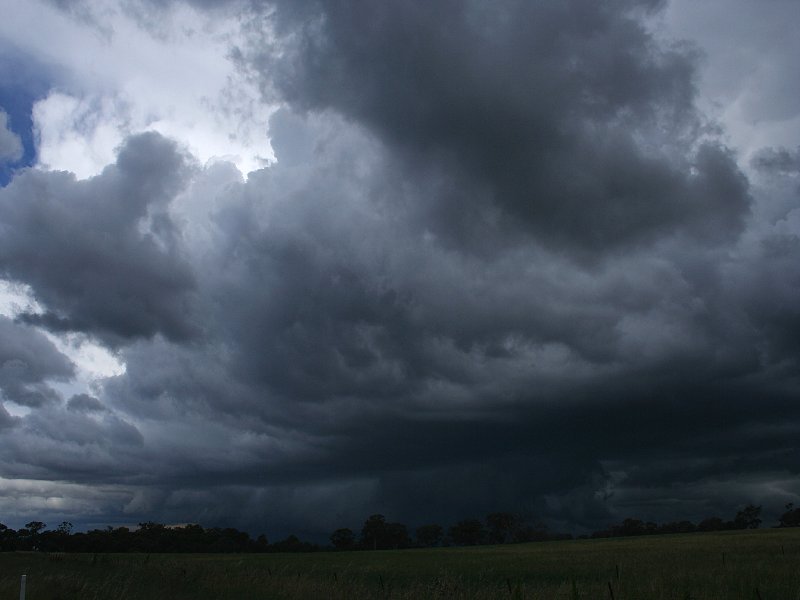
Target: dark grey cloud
pixel 55 444
pixel 567 116
pixel 359 348
pixel 84 403
pixel 501 262
pixel 780 160
pixel 28 363
pixel 102 255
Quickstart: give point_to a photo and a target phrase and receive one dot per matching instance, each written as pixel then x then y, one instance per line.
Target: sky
pixel 281 265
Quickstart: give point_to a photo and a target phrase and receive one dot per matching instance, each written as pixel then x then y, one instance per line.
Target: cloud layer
pixel 502 262
pixel 10 144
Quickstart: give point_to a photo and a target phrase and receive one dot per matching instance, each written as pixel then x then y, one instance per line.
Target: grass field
pixel 753 564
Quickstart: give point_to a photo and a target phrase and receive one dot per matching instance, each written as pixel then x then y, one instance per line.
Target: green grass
pixel 659 567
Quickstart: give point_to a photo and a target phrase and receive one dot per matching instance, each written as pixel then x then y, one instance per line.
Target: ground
pixel 759 564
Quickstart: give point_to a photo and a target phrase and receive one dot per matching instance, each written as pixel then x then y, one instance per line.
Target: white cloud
pixel 78 135
pixel 179 82
pixel 16 298
pixel 93 363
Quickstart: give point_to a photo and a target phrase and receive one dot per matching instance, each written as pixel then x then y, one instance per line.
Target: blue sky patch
pixel 23 81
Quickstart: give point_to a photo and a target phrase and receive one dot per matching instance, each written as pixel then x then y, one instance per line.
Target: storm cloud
pixel 502 261
pixel 568 117
pixel 101 254
pixel 27 361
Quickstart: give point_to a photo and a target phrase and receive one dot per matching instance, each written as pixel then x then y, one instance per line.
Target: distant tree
pixel 429 535
pixel 291 544
pixel 189 538
pixel 262 544
pixel 502 526
pixel 150 537
pixel 536 532
pixel 229 540
pixel 34 527
pixel 120 539
pixel 373 533
pixel 677 527
pixel 748 517
pixel 8 538
pixel 711 524
pixel 397 536
pixel 343 539
pixel 469 532
pixel 65 528
pixel 791 518
pixel 630 527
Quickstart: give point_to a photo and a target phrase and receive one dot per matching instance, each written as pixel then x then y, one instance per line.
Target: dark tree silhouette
pixel 711 524
pixel 149 537
pixel 373 533
pixel 8 538
pixel 377 534
pixel 502 527
pixel 677 527
pixel 791 518
pixel 748 517
pixel 34 527
pixel 429 535
pixel 65 528
pixel 469 532
pixel 343 539
pixel 292 544
pixel 631 527
pixel 397 536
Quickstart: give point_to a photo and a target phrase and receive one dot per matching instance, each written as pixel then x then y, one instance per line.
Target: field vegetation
pixel 748 564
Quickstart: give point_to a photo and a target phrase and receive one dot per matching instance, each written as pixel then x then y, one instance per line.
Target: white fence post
pixel 22 587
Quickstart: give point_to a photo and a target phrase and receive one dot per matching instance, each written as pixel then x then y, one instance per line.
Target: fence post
pixel 22 587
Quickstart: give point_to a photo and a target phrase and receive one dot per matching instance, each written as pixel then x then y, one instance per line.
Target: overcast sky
pixel 281 265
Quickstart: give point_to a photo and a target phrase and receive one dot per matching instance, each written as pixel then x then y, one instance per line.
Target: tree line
pixel 497 528
pixel 509 528
pixel 747 518
pixel 148 537
pixel 376 534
